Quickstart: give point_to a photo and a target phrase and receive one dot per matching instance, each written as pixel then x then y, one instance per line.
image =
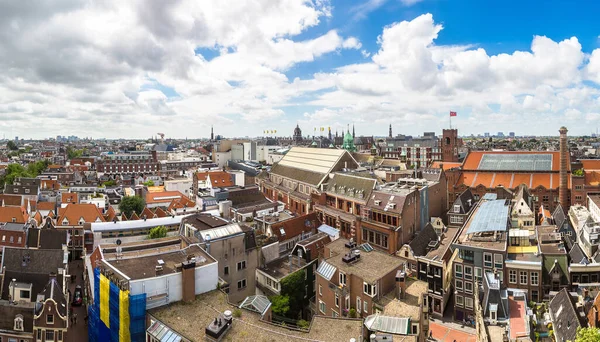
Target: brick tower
pixel 450 144
pixel 563 191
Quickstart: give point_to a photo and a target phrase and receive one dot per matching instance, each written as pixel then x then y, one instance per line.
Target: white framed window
pixel 334 314
pixel 478 273
pixel 370 289
pixel 241 265
pixel 512 276
pixel 460 300
pixel 347 302
pixel 469 302
pixel 459 284
pixel 342 278
pixel 468 287
pixel 458 270
pixel 49 335
pixel 337 300
pixel 18 323
pixel 366 306
pixel 358 304
pixel 322 306
pixel 468 272
pixel 241 284
pixel 320 290
pixel 523 277
pixel 49 319
pixel 487 260
pixel 498 261
pixel 534 278
pixel 457 208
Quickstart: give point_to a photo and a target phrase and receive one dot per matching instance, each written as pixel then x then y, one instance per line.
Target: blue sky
pixel 178 68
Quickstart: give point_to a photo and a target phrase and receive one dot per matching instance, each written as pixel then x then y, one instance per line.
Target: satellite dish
pixel 118 242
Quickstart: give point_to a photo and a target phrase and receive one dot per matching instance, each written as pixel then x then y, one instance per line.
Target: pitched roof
pixel 577 255
pixel 474 158
pixel 11 200
pixel 72 214
pixel 465 201
pixel 8 313
pixel 220 179
pixel 421 241
pixel 510 180
pixel 305 176
pixel 445 165
pixel 69 197
pixel 181 203
pixel 19 214
pixel 559 216
pixel 295 226
pixel 351 185
pixel 564 316
pixel 53 291
pixel 46 206
pixel 110 214
pixel 163 197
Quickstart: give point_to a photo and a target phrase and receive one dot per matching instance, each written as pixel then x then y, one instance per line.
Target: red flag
pixel 452 113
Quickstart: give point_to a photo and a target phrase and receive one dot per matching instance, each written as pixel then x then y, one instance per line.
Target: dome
pixel 349 143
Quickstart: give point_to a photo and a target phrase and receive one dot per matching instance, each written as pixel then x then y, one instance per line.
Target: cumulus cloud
pixel 86 68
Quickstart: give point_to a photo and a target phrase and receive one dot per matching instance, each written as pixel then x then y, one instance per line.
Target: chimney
pixel 564 160
pixel 188 280
pixel 401 283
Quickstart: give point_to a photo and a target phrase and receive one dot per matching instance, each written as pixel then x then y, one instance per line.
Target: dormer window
pixel 81 220
pixel 18 323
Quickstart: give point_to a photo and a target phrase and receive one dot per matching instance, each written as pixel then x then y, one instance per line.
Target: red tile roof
pixel 590 164
pixel 19 214
pixel 69 197
pixel 181 203
pixel 73 213
pixel 510 180
pixel 46 206
pixel 295 226
pixel 163 197
pixel 217 178
pixel 445 165
pixel 11 200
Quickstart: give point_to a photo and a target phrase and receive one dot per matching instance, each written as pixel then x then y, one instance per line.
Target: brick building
pixel 128 163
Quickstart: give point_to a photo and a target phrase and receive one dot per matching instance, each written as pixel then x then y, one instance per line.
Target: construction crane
pixel 162 137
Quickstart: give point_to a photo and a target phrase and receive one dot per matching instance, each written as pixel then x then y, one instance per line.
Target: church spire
pixel 353 135
pixel 390 130
pixel 212 134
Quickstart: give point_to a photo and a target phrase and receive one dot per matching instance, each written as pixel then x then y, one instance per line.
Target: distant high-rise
pixel 212 133
pixel 390 135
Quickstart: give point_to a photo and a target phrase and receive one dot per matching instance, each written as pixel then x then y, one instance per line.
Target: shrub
pixel 352 313
pixel 237 313
pixel 304 324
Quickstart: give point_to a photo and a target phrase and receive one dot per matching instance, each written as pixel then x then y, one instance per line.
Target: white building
pixel 183 185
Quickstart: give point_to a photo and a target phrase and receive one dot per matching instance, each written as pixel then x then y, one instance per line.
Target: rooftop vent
pixel 219 326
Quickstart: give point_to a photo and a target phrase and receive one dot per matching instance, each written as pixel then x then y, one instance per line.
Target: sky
pixel 132 69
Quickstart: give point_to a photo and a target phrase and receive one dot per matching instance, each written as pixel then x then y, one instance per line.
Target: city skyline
pixel 321 64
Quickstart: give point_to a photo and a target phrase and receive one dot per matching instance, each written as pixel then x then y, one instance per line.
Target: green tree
pixel 280 305
pixel 149 182
pixel 293 286
pixel 109 183
pixel 14 171
pixel 130 204
pixel 578 172
pixel 588 335
pixel 12 146
pixel 157 232
pixel 73 153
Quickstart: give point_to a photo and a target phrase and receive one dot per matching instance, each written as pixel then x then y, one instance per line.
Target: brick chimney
pixel 188 280
pixel 563 194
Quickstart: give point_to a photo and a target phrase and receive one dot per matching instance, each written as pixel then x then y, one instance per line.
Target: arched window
pixel 18 323
pixel 447 140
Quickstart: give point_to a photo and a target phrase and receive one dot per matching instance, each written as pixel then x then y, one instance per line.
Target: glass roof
pixel 516 162
pixel 492 216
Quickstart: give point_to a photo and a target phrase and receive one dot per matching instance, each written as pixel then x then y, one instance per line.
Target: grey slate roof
pixel 351 182
pixel 577 255
pixel 421 241
pixel 313 178
pixel 53 291
pixel 8 314
pixel 463 201
pixel 565 319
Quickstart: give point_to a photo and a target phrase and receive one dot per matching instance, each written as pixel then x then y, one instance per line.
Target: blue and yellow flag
pixel 104 300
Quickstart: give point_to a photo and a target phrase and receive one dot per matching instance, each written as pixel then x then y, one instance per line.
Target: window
pixel 49 335
pixel 457 208
pixel 523 277
pixel 468 287
pixel 358 304
pixel 487 260
pixel 578 198
pixel 322 306
pixel 458 270
pixel 337 300
pixel 342 278
pixel 545 198
pixel 534 278
pixel 241 265
pixel 241 284
pixel 18 323
pixel 512 276
pixel 459 300
pixel 498 261
pixel 469 303
pixel 269 282
pixel 468 272
pixel 478 273
pixel 369 289
pixel 366 306
pixel 49 319
pixel 459 284
pixel 334 314
pixel 534 295
pixel 226 270
pixel 320 290
pixel 24 294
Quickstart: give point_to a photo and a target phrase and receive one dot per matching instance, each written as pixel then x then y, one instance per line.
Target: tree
pixel 280 305
pixel 149 182
pixel 73 153
pixel 109 183
pixel 588 335
pixel 130 204
pixel 578 172
pixel 293 287
pixel 157 232
pixel 12 146
pixel 14 171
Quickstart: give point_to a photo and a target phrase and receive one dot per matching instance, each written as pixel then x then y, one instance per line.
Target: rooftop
pixel 445 242
pixel 370 267
pixel 141 267
pixel 488 232
pixel 284 266
pixel 136 224
pixel 408 306
pixel 249 327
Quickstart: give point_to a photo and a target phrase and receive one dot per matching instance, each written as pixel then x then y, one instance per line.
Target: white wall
pixel 207 277
pixel 237 152
pixel 238 177
pixel 222 158
pixel 181 185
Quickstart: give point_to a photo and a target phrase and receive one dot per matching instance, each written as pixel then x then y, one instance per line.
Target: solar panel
pixel 516 162
pixel 366 247
pixel 492 216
